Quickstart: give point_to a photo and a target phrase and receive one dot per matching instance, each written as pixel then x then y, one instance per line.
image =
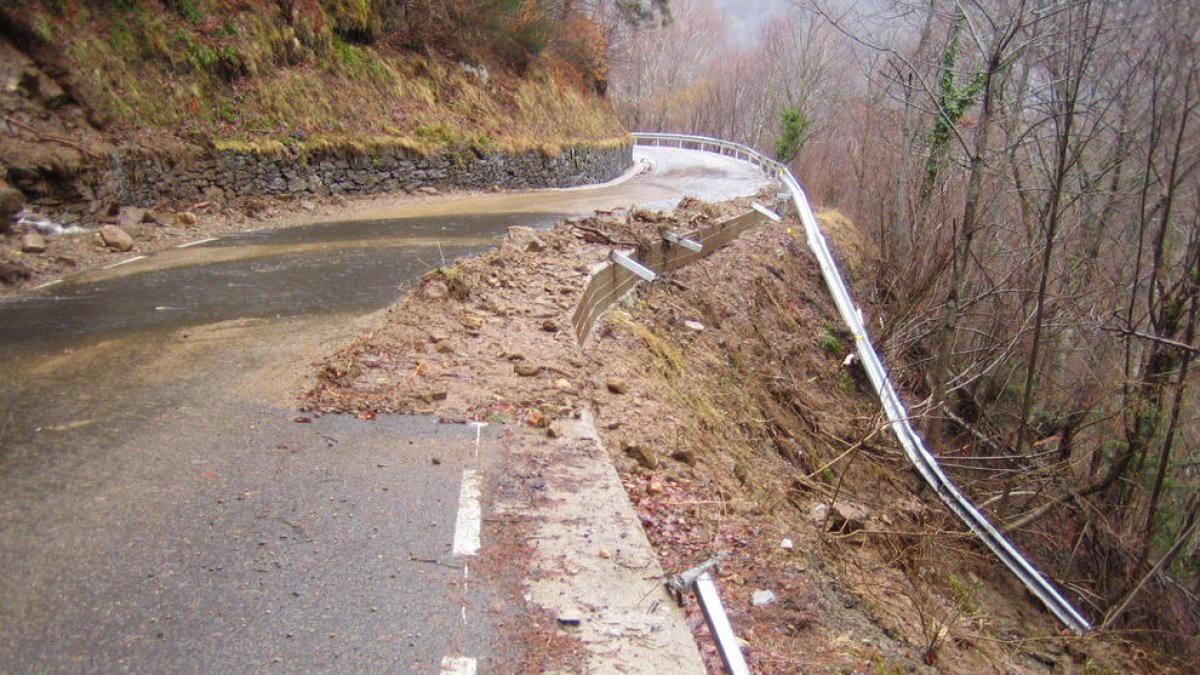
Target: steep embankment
pixel 109 104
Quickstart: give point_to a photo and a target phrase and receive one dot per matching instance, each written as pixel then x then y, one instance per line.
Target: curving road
pixel 162 509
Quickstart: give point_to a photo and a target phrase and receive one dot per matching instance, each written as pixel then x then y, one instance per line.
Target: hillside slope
pixel 79 81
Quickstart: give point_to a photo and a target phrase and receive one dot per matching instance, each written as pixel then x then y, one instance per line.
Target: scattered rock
pixel 846 517
pixel 554 430
pixel 616 385
pixel 550 326
pixel 432 396
pixel 12 200
pixel 527 369
pixel 787 544
pixel 129 216
pixel 435 289
pixel 686 456
pixel 444 348
pixel 427 190
pixel 644 456
pixel 694 326
pixel 655 487
pixel 604 553
pixel 526 239
pixel 472 322
pixel 186 218
pixel 33 242
pixel 12 272
pixel 563 384
pixel 116 238
pixel 762 598
pixel 817 514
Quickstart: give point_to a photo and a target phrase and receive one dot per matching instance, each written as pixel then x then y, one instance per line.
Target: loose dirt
pixel 722 396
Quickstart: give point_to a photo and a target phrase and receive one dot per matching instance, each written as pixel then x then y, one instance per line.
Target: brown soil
pixel 748 432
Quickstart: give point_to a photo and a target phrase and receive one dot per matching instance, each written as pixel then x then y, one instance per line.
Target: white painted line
pixel 470 516
pixel 197 242
pixel 48 284
pixel 458 665
pixel 124 262
pixel 478 430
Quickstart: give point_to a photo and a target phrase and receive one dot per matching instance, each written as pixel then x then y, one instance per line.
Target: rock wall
pixel 146 180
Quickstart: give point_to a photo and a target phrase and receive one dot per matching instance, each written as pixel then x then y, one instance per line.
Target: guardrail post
pixel 689 244
pixel 632 265
pixel 698 581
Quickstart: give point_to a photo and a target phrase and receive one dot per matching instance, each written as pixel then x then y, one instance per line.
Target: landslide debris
pixel 723 397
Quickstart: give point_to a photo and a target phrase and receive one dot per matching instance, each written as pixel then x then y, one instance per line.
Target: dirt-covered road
pixel 164 506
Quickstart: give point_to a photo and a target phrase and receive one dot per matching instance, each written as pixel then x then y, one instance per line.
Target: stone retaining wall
pixel 147 180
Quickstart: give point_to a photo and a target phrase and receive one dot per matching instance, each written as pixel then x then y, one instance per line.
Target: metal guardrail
pixel 914 447
pixel 610 282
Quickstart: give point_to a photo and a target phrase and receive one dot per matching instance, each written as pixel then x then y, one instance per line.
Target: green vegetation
pixel 331 73
pixel 830 344
pixel 953 101
pixel 844 381
pixel 792 125
pixel 964 595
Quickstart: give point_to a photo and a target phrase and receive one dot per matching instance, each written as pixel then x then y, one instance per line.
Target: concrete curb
pixel 593 564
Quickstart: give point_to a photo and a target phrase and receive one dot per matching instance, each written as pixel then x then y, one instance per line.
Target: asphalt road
pixel 162 509
pixel 192 525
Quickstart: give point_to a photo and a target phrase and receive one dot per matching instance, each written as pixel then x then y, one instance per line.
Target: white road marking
pixel 478 434
pixel 458 665
pixel 48 284
pixel 466 525
pixel 124 262
pixel 197 242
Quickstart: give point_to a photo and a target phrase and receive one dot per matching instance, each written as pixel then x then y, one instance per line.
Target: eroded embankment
pixel 723 398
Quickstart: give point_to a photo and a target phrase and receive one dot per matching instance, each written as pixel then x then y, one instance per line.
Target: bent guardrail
pixel 914 447
pixel 609 283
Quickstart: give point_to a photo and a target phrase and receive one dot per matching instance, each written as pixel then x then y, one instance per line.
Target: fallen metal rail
pixel 699 581
pixel 914 447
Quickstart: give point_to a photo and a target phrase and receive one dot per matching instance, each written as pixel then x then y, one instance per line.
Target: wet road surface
pixel 162 510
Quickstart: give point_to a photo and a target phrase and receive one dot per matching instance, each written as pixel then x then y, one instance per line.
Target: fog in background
pixel 744 18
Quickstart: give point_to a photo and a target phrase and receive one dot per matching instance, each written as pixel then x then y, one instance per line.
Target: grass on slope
pixel 243 75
